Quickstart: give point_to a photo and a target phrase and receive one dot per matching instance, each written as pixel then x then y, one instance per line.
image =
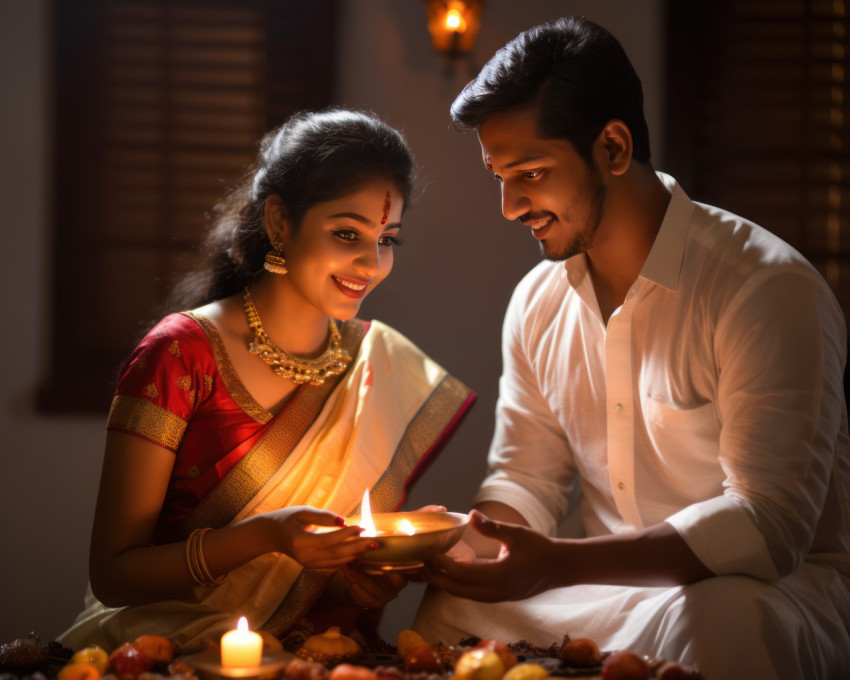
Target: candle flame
pixel 366 517
pixel 406 527
pixel 242 625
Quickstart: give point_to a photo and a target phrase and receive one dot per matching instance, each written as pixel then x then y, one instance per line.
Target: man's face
pixel 545 184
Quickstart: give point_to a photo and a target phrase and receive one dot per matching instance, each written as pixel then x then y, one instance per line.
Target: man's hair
pixel 574 71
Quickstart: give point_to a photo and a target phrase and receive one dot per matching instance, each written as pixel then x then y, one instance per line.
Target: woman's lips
pixel 353 288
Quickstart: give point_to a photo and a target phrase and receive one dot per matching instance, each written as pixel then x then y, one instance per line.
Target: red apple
pixel 580 652
pixel 423 658
pixel 500 648
pixel 127 661
pixel 625 665
pixel 672 670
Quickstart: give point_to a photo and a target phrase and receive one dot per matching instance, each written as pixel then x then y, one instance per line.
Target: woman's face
pixel 344 248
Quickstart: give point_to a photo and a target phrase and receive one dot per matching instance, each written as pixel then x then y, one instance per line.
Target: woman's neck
pixel 292 323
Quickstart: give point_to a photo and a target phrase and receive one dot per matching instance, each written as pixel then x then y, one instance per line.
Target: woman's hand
pixel 372 591
pixel 292 533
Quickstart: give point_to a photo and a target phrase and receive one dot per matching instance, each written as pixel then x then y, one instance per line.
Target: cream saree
pixel 377 427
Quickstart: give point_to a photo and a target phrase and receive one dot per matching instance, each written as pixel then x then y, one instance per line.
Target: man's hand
pixel 522 569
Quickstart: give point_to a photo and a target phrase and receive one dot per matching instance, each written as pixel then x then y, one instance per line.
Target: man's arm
pixel 531 563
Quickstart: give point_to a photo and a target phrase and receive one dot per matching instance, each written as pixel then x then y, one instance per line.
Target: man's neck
pixel 631 223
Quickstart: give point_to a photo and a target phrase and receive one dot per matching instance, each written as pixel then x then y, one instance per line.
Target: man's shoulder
pixel 737 239
pixel 734 257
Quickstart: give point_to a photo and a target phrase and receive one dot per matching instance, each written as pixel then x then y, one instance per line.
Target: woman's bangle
pixel 198 568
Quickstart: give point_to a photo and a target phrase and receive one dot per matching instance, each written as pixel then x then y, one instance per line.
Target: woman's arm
pixel 126 568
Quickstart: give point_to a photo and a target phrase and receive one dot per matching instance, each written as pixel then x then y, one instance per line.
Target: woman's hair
pixel 574 71
pixel 314 157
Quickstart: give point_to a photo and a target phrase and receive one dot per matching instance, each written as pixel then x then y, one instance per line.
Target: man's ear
pixel 276 220
pixel 615 147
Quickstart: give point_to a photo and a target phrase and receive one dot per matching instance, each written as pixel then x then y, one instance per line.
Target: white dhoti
pixel 730 627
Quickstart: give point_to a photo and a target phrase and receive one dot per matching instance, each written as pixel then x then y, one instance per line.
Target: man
pixel 680 364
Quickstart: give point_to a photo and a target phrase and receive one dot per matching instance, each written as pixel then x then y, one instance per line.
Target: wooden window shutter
pixel 759 119
pixel 159 107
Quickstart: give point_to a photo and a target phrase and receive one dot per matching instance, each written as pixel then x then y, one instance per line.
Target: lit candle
pixel 241 648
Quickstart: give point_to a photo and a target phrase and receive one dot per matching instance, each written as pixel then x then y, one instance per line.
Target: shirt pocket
pixel 686 440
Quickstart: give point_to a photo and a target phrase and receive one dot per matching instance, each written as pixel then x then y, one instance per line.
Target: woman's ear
pixel 276 220
pixel 615 146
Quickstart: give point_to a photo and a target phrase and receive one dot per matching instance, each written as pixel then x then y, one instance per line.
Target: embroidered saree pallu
pixel 374 427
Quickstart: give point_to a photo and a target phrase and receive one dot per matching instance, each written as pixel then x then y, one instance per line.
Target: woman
pixel 238 425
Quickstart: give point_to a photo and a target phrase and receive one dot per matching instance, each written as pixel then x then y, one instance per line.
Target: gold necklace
pixel 332 361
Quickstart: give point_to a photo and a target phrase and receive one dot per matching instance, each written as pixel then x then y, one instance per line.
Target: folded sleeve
pixel 780 349
pixel 530 462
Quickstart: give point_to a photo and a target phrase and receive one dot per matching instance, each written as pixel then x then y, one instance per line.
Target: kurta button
pixel 621 486
pixel 618 408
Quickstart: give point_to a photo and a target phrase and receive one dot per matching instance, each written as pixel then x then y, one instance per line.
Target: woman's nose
pixel 368 260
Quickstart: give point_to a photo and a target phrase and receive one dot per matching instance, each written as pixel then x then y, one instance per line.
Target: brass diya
pixel 407 539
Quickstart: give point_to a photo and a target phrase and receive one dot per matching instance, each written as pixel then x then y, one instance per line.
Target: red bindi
pixel 386 209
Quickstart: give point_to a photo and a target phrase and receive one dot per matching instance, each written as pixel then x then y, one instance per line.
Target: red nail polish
pixel 374 546
pixel 340 522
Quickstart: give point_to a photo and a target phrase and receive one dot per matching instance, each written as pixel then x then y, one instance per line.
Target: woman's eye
pixel 390 241
pixel 531 174
pixel 346 235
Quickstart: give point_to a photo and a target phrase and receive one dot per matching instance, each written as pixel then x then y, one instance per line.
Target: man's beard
pixel 596 190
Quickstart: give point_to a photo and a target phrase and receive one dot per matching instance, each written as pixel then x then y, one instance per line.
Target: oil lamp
pixel 406 539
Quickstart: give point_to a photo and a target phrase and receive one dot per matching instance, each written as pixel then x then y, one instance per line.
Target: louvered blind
pixel 758 119
pixel 160 106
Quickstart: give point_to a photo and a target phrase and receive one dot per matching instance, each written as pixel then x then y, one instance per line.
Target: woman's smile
pixel 354 288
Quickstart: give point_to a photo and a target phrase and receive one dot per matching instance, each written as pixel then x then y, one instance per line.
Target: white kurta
pixel 713 400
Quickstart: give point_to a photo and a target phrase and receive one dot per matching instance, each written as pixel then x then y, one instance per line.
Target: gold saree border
pixel 232 383
pixel 422 434
pixel 248 477
pixel 139 416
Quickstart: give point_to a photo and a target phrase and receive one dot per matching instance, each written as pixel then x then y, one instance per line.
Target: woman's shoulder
pixel 177 327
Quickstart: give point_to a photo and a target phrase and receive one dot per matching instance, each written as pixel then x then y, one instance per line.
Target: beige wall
pixel 452 279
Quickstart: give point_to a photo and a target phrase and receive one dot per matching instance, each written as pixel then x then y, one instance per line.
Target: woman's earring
pixel 274 259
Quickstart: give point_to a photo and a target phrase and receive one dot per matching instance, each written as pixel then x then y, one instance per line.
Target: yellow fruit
pixel 406 641
pixel 526 671
pixel 271 645
pixel 479 664
pixel 78 671
pixel 94 655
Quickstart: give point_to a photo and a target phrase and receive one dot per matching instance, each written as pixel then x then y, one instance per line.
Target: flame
pixel 455 21
pixel 242 626
pixel 366 517
pixel 406 527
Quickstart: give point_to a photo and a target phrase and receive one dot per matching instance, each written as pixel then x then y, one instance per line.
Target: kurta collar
pixel 664 263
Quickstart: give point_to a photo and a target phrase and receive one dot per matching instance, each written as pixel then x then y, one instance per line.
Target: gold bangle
pixel 196 563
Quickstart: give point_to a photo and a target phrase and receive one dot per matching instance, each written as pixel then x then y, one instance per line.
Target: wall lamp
pixel 453 25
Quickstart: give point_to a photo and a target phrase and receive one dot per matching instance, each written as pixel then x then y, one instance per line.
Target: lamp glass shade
pixel 454 25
